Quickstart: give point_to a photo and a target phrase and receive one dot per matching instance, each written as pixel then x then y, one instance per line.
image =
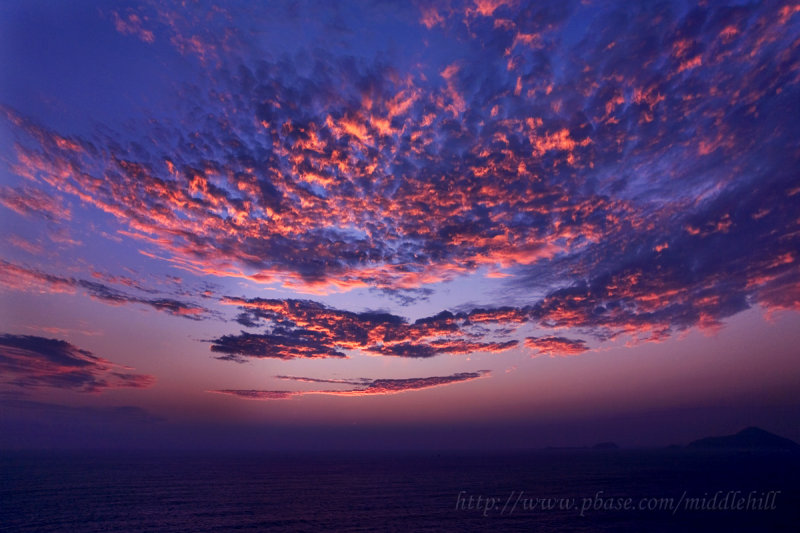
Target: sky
pixel 370 224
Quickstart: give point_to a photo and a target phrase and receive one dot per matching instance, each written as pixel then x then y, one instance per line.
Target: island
pixel 751 438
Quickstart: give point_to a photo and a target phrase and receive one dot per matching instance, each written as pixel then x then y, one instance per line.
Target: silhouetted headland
pixel 751 438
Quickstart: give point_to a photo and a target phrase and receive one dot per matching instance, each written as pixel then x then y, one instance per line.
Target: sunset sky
pixel 398 224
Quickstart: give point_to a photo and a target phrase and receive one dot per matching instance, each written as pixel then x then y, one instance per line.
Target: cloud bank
pixel 308 329
pixel 31 362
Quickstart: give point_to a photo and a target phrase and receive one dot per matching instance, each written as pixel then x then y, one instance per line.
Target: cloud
pixel 363 387
pixel 31 201
pixel 17 277
pixel 691 270
pixel 551 345
pixel 405 297
pixel 291 345
pixel 252 214
pixel 352 381
pixel 29 361
pixel 309 329
pixel 131 23
pixel 257 394
pixel 631 169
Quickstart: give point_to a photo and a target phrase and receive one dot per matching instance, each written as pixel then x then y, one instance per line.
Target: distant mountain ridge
pixel 751 438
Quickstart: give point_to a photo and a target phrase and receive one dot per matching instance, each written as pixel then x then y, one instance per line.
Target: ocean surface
pixel 558 490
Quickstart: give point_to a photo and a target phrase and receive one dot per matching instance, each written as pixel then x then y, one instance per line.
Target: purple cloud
pixel 31 362
pixel 364 387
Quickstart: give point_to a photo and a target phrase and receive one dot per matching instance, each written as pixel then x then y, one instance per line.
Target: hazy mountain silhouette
pixel 751 438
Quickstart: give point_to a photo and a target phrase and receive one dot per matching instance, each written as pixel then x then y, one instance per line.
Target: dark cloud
pixel 308 329
pixel 247 320
pixel 405 297
pixel 363 387
pixel 288 345
pixel 252 394
pixel 29 361
pixel 406 349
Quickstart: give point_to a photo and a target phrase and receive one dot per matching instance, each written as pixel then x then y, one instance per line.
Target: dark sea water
pixel 400 491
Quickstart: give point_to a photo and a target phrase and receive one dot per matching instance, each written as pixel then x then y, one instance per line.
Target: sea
pixel 546 490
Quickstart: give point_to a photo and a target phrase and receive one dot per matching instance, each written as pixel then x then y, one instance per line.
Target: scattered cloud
pixel 31 201
pixel 308 329
pixel 363 387
pixel 552 345
pixel 21 278
pixel 280 345
pixel 31 362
